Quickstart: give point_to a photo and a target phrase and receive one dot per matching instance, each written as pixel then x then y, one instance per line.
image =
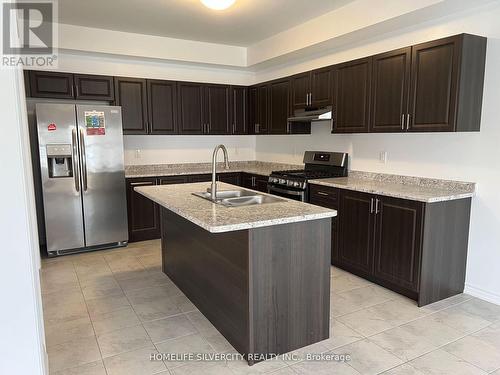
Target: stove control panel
pixel 287 182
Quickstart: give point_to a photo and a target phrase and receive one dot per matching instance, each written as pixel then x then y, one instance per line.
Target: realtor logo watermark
pixel 29 34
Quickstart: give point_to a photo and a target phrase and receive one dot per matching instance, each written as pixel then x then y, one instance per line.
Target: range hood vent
pixel 311 115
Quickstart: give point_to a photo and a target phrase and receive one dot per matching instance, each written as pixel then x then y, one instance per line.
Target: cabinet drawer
pixel 172 180
pixel 323 196
pixel 200 177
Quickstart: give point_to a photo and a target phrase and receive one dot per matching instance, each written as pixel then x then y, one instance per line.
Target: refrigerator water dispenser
pixel 59 160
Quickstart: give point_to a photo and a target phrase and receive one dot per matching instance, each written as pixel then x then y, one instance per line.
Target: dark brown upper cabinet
pixel 94 87
pixel 263 112
pixel 239 109
pixel 216 109
pixel 51 85
pixel 279 108
pixel 321 87
pixel 391 78
pixel 312 89
pixel 351 96
pixel 258 107
pixel 430 87
pixel 301 87
pixel 190 108
pixel 162 107
pixel 131 95
pixel 447 84
pixel 252 109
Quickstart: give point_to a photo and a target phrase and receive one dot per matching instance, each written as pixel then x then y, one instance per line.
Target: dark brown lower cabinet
pixel 171 180
pixel 398 233
pixel 327 197
pixel 356 231
pixel 206 177
pixel 229 178
pixel 143 214
pixel 414 248
pixel 254 181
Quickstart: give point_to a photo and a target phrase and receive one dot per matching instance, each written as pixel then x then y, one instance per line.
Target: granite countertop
pixel 156 170
pixel 216 218
pixel 406 187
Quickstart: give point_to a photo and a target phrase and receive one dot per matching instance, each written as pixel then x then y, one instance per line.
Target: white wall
pixel 469 157
pixel 79 38
pixel 22 348
pixel 161 149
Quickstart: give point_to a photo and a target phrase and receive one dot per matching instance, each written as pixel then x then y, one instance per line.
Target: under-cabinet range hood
pixel 310 115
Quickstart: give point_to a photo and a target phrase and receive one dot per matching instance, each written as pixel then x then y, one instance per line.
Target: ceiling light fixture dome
pixel 218 4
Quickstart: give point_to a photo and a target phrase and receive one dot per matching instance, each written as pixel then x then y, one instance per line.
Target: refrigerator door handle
pixel 84 160
pixel 76 171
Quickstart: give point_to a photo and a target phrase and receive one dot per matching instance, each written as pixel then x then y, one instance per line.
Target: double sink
pixel 238 198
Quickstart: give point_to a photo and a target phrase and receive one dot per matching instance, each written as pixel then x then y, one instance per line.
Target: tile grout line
pixel 91 321
pixel 141 322
pixel 437 348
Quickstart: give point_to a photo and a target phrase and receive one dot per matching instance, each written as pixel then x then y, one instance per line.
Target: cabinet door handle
pixel 371 205
pixel 76 171
pixel 376 206
pixel 403 121
pixel 140 183
pixel 322 193
pixel 408 121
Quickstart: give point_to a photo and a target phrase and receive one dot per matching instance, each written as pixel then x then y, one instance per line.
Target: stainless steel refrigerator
pixel 82 176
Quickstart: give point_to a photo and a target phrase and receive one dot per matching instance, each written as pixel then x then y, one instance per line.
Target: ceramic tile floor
pixel 106 312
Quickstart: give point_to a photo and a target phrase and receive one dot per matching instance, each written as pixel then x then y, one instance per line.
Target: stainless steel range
pixel 293 184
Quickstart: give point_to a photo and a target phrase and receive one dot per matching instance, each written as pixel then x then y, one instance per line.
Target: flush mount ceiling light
pixel 218 4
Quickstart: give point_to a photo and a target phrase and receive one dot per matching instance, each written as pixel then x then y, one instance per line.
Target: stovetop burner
pixel 317 164
pixel 306 174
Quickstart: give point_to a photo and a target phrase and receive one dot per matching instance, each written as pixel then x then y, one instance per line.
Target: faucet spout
pixel 213 189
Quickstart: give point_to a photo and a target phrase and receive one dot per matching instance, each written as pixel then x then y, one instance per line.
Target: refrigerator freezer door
pixel 58 146
pixel 103 175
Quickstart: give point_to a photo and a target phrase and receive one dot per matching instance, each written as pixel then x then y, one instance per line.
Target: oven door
pixel 298 195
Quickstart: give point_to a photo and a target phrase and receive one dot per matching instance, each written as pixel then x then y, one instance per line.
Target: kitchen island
pixel 259 273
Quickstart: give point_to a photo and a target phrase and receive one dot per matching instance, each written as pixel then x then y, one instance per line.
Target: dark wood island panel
pixel 267 290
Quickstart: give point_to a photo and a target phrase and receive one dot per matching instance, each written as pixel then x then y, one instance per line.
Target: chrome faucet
pixel 213 188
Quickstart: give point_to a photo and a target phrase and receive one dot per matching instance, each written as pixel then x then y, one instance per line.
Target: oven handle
pixel 270 189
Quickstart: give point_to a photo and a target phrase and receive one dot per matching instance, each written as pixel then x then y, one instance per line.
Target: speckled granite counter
pixel 255 167
pixel 216 218
pixel 413 188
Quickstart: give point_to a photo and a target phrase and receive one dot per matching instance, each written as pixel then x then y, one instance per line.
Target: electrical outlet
pixel 383 157
pixel 137 154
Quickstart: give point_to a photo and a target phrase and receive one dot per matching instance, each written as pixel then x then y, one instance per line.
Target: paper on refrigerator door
pixel 95 123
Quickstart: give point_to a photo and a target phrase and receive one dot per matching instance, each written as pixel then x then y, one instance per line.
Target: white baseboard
pixel 482 294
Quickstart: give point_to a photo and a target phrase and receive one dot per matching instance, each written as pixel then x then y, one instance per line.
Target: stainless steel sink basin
pixel 250 200
pixel 237 198
pixel 223 194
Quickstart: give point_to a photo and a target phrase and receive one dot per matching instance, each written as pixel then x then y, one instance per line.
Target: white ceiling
pixel 245 23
